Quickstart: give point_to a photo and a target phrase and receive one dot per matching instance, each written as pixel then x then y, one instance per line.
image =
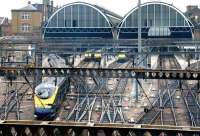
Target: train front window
pixel 44 93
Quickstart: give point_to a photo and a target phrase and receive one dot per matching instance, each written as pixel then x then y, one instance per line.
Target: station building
pixel 81 20
pixel 159 20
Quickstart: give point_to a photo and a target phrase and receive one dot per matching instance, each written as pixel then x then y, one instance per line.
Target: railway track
pixel 167 108
pixel 192 105
pixel 94 102
pixel 18 102
pixel 83 64
pixel 169 115
pixel 76 108
pixel 112 107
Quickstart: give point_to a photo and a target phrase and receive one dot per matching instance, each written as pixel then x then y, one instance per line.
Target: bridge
pixel 56 128
pixel 138 73
pixel 76 120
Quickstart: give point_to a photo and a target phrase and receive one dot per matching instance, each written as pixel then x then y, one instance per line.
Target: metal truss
pixel 164 98
pixel 110 101
pixel 138 73
pixel 112 106
pixel 191 101
pixel 94 41
pixel 83 104
pixel 175 104
pixel 57 128
pixel 92 96
pixel 15 95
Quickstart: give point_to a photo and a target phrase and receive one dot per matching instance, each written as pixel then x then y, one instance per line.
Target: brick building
pixel 5 26
pixel 26 21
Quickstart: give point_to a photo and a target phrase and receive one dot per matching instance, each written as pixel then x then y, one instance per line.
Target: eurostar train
pixel 50 93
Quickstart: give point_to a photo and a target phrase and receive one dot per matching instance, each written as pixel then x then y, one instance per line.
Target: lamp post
pixel 137 89
pixel 139 28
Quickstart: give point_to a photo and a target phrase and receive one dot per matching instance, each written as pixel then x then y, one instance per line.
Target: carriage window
pixel 44 93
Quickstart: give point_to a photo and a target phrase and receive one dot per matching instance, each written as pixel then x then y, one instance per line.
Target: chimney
pixel 52 3
pixel 51 7
pixel 46 2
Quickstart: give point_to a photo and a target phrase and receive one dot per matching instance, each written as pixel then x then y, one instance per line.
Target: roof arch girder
pixel 156 14
pixel 79 15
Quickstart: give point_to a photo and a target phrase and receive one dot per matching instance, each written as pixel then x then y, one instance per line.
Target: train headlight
pixel 36 106
pixel 48 106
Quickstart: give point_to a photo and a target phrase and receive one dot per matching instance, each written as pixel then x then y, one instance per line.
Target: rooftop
pixel 29 7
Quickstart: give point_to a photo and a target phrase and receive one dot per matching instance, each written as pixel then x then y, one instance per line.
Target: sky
pixel 120 7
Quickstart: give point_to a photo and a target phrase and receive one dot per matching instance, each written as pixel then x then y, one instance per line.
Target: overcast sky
pixel 120 7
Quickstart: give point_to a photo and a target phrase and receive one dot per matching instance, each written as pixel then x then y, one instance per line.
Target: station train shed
pixel 83 20
pixel 159 20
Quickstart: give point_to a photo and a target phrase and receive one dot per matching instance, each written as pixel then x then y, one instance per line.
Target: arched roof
pixel 109 16
pixel 159 3
pixel 81 20
pixel 158 20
